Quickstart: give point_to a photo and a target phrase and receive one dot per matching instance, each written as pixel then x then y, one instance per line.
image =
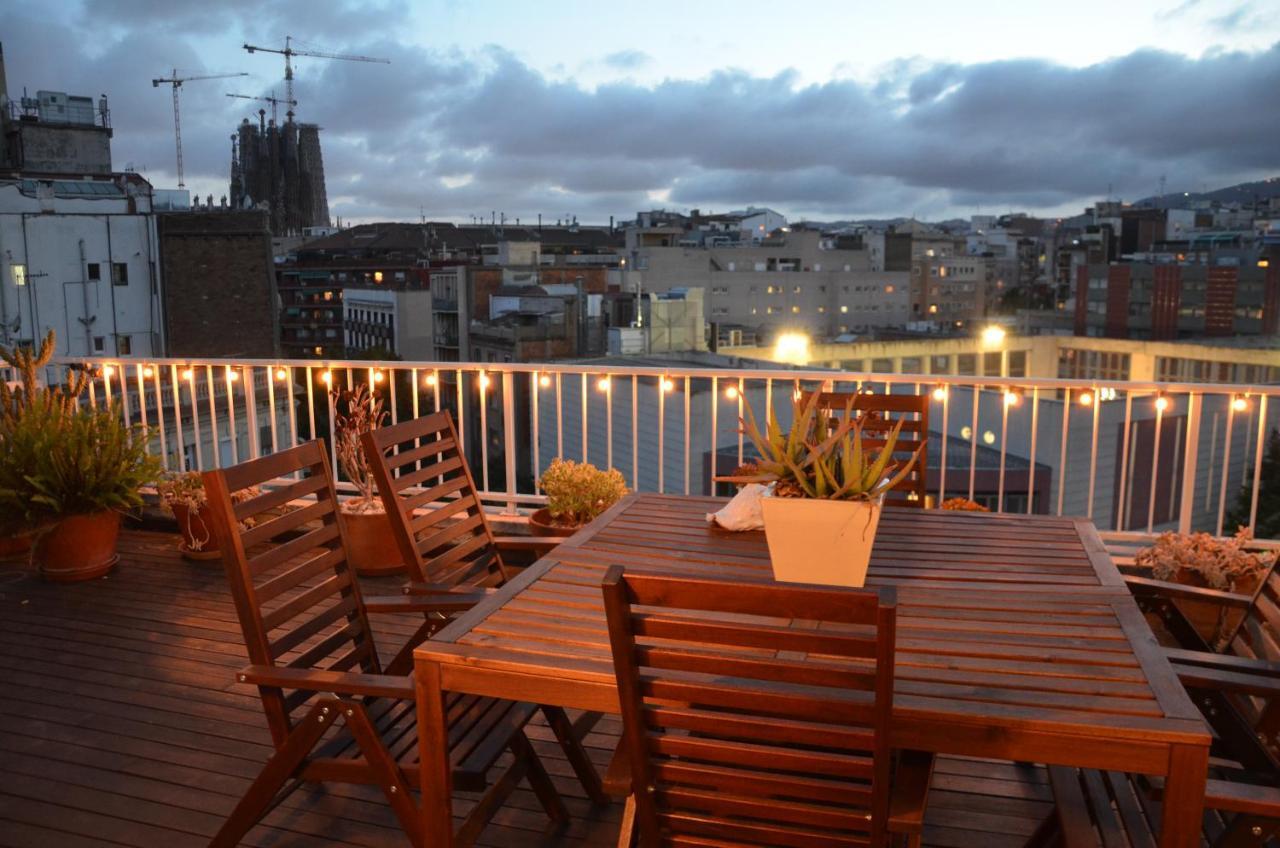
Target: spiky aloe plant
pixel 822 456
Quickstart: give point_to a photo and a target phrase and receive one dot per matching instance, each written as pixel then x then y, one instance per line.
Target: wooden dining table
pixel 1016 640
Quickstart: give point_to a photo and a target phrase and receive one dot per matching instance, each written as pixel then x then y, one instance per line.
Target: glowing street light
pixel 993 335
pixel 793 348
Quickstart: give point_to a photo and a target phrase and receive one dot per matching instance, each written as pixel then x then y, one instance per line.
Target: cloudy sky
pixel 845 109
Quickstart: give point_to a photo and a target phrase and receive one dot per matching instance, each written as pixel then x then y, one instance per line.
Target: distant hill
pixel 1242 193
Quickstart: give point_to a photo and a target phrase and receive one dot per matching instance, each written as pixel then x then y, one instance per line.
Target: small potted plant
pixel 371 546
pixel 67 471
pixel 183 495
pixel 576 493
pixel 1204 560
pixel 962 505
pixel 828 491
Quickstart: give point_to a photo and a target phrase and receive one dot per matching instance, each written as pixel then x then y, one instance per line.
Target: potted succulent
pixel 962 505
pixel 1206 561
pixel 183 495
pixel 371 547
pixel 67 471
pixel 827 492
pixel 576 493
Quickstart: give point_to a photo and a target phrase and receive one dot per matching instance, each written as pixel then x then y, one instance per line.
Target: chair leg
pixel 284 764
pixel 627 831
pixel 1247 832
pixel 388 773
pixel 576 754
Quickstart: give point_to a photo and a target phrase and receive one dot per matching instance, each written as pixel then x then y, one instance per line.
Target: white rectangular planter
pixel 820 541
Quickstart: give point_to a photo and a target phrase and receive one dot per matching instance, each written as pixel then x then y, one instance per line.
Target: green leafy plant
pixel 59 457
pixel 823 456
pixel 578 491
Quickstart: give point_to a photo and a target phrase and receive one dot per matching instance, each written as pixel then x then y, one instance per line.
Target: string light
pixel 108 370
pixel 377 376
pixel 484 381
pixel 326 377
pixel 667 384
pixel 1086 398
pixel 603 384
pixel 731 392
pixel 1162 403
pixel 1011 398
pixel 187 373
pixel 430 379
pixel 1239 403
pixel 544 380
pixel 281 374
pixel 232 374
pixel 148 371
pixel 989 437
pixel 940 393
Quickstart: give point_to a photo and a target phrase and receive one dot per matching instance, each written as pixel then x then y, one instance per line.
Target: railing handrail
pixel 733 372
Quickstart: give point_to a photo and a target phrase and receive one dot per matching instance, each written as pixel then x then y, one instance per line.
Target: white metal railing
pixel 1132 456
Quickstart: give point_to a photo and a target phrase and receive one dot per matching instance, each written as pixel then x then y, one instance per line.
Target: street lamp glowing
pixel 792 347
pixel 993 335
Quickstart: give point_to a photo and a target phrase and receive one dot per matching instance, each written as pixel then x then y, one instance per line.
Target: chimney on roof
pixel 4 81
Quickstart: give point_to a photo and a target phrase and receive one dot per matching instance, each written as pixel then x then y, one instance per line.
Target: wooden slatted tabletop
pixel 1017 638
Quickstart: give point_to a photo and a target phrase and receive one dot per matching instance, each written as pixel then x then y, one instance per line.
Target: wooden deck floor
pixel 121 725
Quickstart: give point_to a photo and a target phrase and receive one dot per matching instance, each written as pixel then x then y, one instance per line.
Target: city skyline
pixel 597 112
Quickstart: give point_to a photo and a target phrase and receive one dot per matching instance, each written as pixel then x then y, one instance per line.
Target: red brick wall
pixel 594 280
pixel 1166 300
pixel 486 281
pixel 1118 277
pixel 1271 302
pixel 1220 301
pixel 1082 300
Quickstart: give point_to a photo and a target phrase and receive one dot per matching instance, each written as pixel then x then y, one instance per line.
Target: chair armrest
pixel 1148 586
pixel 338 682
pixel 1248 799
pixel 439 589
pixel 1223 662
pixel 443 604
pixel 1235 682
pixel 537 544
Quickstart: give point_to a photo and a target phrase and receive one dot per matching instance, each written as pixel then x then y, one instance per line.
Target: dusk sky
pixel 852 109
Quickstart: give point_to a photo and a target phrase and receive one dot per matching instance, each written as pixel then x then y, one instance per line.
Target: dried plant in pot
pixel 68 471
pixel 1206 561
pixel 576 493
pixel 371 546
pixel 182 494
pixel 827 491
pixel 962 505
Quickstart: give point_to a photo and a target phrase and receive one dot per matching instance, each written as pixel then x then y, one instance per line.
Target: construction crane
pixel 289 52
pixel 273 100
pixel 177 81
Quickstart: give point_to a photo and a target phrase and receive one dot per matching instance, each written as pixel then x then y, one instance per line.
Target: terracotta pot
pixel 1204 616
pixel 79 547
pixel 12 546
pixel 198 541
pixel 371 546
pixel 820 541
pixel 540 524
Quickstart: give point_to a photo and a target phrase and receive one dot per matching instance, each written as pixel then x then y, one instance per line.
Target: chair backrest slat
pixel 417 463
pixel 913 412
pixel 754 712
pixel 296 598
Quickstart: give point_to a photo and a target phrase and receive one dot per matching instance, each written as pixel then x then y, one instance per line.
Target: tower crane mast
pixel 176 81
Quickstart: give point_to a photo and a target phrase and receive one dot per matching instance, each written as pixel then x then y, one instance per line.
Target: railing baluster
pixel 973 440
pixel 635 430
pixel 271 409
pixel 391 390
pixel 687 430
pixel 482 380
pixel 293 413
pixel 1226 467
pixel 741 391
pixel 332 408
pixel 195 418
pixel 559 418
pixel 142 399
pixel 124 395
pixel 1004 434
pixel 251 410
pixel 435 389
pixel 946 438
pixel 662 445
pixel 533 416
pixel 1257 462
pixel 710 487
pixel 175 386
pixel 164 440
pixel 511 442
pixel 608 421
pixel 462 415
pixel 1155 467
pixel 1062 457
pixel 311 407
pixel 1190 459
pixel 231 417
pixel 1031 466
pixel 1122 508
pixel 93 387
pixel 585 425
pixel 213 416
pixel 1093 451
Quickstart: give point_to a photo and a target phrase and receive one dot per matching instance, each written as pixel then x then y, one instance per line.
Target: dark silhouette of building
pixel 280 168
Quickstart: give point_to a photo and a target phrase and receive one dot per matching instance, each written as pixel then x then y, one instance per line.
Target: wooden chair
pixel 743 732
pixel 334 712
pixel 451 549
pixel 913 412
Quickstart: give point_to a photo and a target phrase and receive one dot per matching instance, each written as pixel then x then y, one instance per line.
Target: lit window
pixel 795 290
pixel 19 274
pixel 888 289
pixel 942 272
pixel 844 309
pixel 822 309
pixel 769 311
pixel 933 309
pixel 377 276
pixel 768 290
pixel 795 310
